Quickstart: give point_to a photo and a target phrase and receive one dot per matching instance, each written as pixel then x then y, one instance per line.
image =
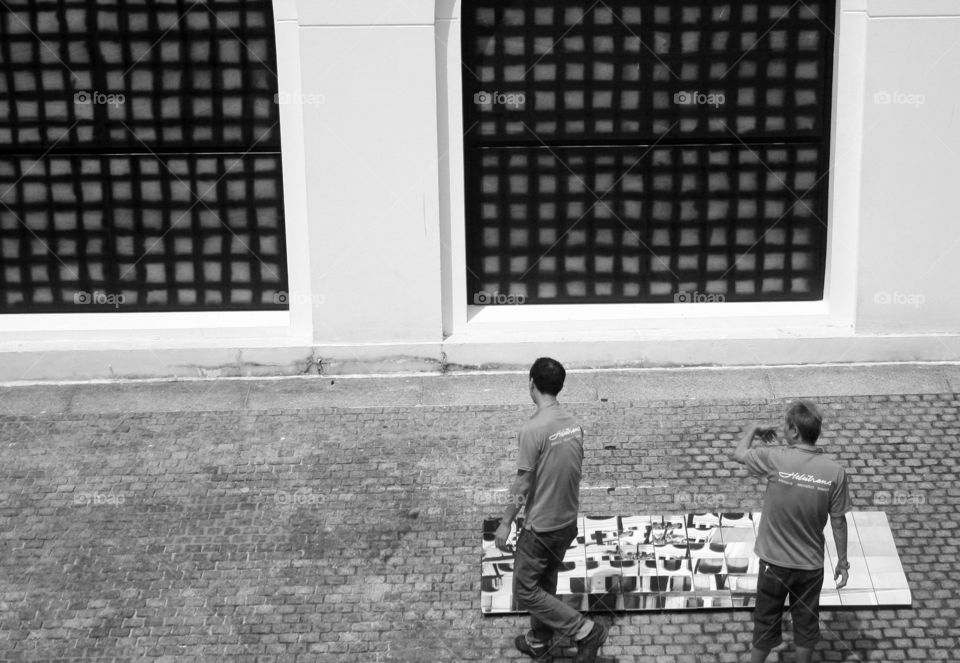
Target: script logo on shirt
pixel 808 479
pixel 562 435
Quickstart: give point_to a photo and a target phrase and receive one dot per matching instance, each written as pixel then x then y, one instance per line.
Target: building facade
pixel 378 230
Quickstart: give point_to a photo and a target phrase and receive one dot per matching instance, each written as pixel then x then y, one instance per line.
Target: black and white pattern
pixel 647 151
pixel 686 561
pixel 140 157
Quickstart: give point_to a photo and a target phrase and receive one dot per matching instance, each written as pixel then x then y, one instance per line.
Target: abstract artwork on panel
pixel 684 561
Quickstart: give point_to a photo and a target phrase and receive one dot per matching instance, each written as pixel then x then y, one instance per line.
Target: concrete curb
pixel 503 388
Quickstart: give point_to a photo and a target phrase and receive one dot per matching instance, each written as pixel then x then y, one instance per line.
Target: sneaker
pixel 588 647
pixel 540 654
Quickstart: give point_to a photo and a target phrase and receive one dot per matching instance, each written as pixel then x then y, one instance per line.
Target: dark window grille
pixel 140 157
pixel 646 151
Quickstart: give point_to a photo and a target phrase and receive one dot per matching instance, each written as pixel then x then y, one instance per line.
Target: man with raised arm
pixel 548 485
pixel 803 487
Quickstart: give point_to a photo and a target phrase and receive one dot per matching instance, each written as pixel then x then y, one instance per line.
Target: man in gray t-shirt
pixel 549 467
pixel 804 487
pixel 551 450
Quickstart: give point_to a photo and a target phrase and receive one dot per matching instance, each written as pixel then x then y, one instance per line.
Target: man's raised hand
pixel 768 435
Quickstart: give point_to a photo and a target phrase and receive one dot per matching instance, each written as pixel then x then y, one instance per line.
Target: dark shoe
pixel 539 654
pixel 588 647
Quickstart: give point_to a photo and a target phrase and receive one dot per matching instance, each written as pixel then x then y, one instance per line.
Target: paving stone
pixel 245 525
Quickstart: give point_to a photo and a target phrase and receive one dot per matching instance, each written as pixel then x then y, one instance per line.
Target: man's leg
pixel 536 554
pixel 540 633
pixel 768 613
pixel 805 608
pixel 530 563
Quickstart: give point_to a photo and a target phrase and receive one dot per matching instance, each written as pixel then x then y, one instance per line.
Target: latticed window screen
pixel 646 150
pixel 139 157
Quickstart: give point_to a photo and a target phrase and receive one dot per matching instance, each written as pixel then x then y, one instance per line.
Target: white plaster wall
pixel 909 262
pixel 373 191
pixel 371 170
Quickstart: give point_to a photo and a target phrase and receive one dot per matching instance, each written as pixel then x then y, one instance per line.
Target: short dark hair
pixel 807 418
pixel 548 375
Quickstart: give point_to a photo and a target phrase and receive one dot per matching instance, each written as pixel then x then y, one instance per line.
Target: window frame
pixel 834 313
pixel 284 328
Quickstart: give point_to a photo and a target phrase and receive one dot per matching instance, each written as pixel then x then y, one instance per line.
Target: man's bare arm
pixel 746 440
pixel 517 497
pixel 839 526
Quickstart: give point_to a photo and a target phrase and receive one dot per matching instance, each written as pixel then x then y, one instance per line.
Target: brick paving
pixel 350 533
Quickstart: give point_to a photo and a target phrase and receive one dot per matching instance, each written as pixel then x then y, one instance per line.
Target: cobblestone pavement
pixel 224 527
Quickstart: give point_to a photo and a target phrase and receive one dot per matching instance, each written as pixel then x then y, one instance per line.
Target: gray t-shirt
pixel 803 488
pixel 551 446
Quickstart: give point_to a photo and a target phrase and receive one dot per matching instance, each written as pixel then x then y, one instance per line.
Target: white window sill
pixel 120 321
pixel 643 313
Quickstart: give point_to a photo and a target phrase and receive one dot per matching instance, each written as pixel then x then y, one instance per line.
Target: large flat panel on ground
pixel 677 561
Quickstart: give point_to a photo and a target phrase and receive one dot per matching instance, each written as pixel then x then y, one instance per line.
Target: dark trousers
pixel 537 562
pixel 774 585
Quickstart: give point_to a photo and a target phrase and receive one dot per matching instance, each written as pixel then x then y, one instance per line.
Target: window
pixel 139 157
pixel 646 150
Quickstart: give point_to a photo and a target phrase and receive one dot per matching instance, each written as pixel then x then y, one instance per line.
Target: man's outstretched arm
pixel 839 526
pixel 746 440
pixel 517 497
